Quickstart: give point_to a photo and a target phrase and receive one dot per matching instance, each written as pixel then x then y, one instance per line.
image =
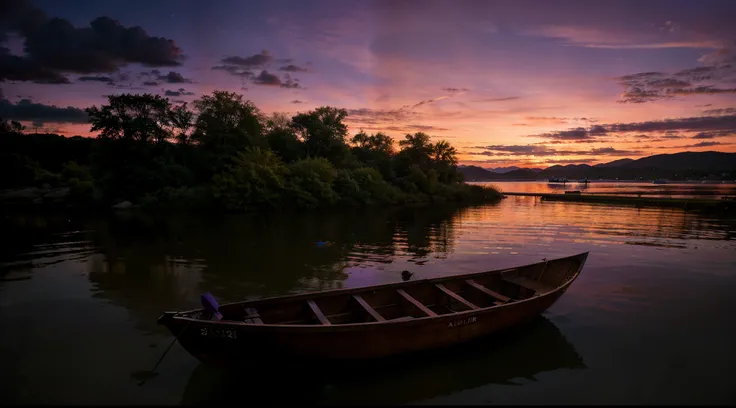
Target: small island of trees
pixel 226 154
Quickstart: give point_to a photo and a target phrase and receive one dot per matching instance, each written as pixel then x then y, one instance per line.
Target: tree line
pixel 225 153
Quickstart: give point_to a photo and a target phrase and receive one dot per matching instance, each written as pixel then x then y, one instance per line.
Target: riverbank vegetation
pixel 225 153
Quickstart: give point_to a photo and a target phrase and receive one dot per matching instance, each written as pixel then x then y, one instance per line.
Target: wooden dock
pixel 648 201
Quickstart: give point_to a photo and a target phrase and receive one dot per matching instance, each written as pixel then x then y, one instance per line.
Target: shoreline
pixel 56 204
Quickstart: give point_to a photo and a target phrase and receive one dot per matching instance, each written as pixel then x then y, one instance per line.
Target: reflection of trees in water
pixel 151 263
pixel 521 352
pixel 23 233
pixel 420 232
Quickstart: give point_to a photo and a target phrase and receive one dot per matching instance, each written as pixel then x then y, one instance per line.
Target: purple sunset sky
pixel 507 82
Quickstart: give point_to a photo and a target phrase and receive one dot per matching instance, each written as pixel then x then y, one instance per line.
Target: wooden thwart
pixel 455 296
pixel 252 316
pixel 416 303
pixel 487 291
pixel 527 283
pixel 317 312
pixel 371 311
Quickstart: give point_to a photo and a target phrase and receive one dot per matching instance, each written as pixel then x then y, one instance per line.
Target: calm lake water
pixel 648 321
pixel 714 190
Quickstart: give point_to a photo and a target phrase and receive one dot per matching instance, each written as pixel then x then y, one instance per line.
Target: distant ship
pixel 557 180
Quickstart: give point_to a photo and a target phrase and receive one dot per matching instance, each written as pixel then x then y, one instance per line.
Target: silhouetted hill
pixel 475 173
pixel 677 166
pixel 503 170
pixel 615 163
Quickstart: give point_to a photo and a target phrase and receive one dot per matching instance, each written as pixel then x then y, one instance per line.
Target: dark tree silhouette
pixel 226 154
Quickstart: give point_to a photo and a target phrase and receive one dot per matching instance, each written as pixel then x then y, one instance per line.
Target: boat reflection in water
pixel 520 352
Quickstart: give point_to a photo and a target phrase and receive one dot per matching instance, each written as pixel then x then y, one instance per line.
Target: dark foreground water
pixel 650 320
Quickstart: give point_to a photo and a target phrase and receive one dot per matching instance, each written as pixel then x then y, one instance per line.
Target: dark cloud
pixel 693 124
pixel 545 151
pixel 154 73
pixel 367 116
pixel 256 60
pixel 14 68
pixel 713 135
pixel 723 111
pixel 105 79
pixel 150 83
pixel 27 110
pixel 571 161
pixel 269 79
pixel 234 70
pixel 669 83
pixel 266 78
pixel 290 82
pixel 571 134
pixel 180 92
pixel 703 144
pixel 635 94
pixel 54 47
pixel 701 90
pixel 653 86
pixel 610 151
pixel 516 150
pixel 552 120
pixel 174 78
pixel 242 67
pixel 292 68
pixel 456 90
pixel 296 101
pixel 641 76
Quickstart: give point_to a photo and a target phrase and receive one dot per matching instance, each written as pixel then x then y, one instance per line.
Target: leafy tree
pixel 11 127
pixel 375 151
pixel 310 182
pixel 226 124
pixel 255 179
pixel 323 133
pixel 444 157
pixel 282 138
pixel 226 154
pixel 142 118
pixel 416 150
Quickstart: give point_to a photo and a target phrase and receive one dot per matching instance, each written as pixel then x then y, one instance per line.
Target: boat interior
pixel 406 301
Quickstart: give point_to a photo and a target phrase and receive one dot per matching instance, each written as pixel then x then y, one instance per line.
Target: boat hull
pixel 226 344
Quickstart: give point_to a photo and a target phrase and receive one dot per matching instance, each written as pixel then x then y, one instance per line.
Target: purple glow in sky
pixel 518 82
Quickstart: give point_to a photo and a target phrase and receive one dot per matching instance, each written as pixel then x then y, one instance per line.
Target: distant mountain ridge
pixel 677 166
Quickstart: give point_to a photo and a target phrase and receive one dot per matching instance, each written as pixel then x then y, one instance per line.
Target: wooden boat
pixel 375 321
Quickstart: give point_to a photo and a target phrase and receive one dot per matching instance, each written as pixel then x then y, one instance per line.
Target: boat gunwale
pixel 347 291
